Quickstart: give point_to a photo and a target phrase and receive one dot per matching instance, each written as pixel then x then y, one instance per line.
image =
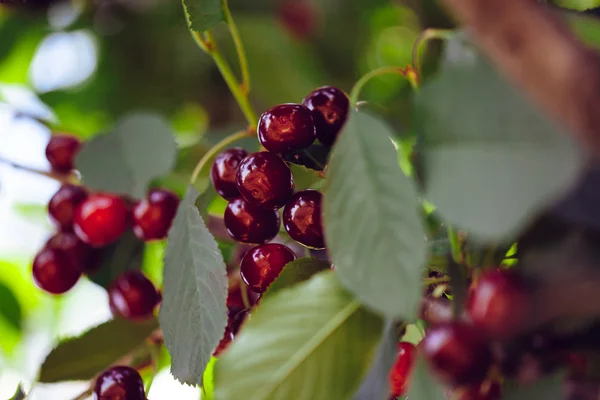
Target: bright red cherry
pixel 119 383
pixel 223 172
pixel 263 264
pixel 330 108
pixel 400 373
pixel 457 352
pixel 101 219
pixel 499 303
pixel 61 151
pixel 153 216
pixel 286 127
pixel 247 223
pixel 63 204
pixel 84 257
pixel 265 180
pixel 302 219
pixel 54 272
pixel 132 296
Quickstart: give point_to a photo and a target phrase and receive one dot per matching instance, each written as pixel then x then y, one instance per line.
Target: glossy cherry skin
pixel 499 303
pixel 101 219
pixel 61 151
pixel 265 180
pixel 83 256
pixel 63 204
pixel 457 352
pixel 153 216
pixel 286 127
pixel 54 271
pixel 330 108
pixel 402 369
pixel 263 264
pixel 119 383
pixel 247 223
pixel 223 172
pixel 132 296
pixel 302 219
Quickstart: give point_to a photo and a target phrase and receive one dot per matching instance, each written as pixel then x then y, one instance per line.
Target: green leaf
pixel 140 148
pixel 83 357
pixel 312 341
pixel 203 14
pixel 297 271
pixel 19 393
pixel 193 314
pixel 587 28
pixel 423 385
pixel 314 157
pixel 305 178
pixel 10 308
pixel 490 157
pixel 549 387
pixel 373 229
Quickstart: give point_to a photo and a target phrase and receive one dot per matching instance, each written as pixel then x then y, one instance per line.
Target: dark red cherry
pixel 402 369
pixel 119 383
pixel 101 219
pixel 223 172
pixel 247 223
pixel 54 272
pixel 84 257
pixel 132 296
pixel 499 303
pixel 457 352
pixel 286 127
pixel 61 151
pixel 263 264
pixel 235 301
pixel 63 204
pixel 153 216
pixel 330 108
pixel 299 17
pixel 302 219
pixel 265 180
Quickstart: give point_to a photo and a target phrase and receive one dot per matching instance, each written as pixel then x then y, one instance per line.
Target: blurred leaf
pixel 585 27
pixel 577 4
pixel 297 271
pixel 14 66
pixel 193 314
pixel 83 357
pixel 305 178
pixel 19 393
pixel 10 308
pixel 217 206
pixel 34 212
pixel 204 14
pixel 423 385
pixel 549 387
pixel 189 123
pixel 209 380
pixel 152 264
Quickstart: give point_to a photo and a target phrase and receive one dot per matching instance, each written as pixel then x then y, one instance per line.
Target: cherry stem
pixel 408 73
pixel 245 298
pixel 455 245
pixel 424 37
pixel 433 281
pixel 239 48
pixel 63 178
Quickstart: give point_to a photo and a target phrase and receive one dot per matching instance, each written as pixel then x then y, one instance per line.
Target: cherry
pixel 286 127
pixel 234 323
pixel 330 108
pixel 263 264
pixel 61 151
pixel 457 352
pixel 400 373
pixel 302 219
pixel 84 257
pixel 54 272
pixel 63 204
pixel 298 17
pixel 119 383
pixel 132 296
pixel 265 180
pixel 153 216
pixel 223 171
pixel 101 219
pixel 499 303
pixel 247 223
pixel 485 391
pixel 235 301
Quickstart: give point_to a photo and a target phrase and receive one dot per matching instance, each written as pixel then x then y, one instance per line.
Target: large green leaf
pixel 203 14
pixel 10 308
pixel 297 271
pixel 423 385
pixel 193 314
pixel 83 357
pixel 491 158
pixel 373 231
pixel 313 341
pixel 140 148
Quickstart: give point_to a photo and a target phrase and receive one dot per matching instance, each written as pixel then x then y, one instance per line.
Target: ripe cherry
pixel 132 296
pixel 265 180
pixel 400 373
pixel 101 219
pixel 247 223
pixel 263 264
pixel 302 219
pixel 235 301
pixel 286 127
pixel 153 216
pixel 61 151
pixel 119 383
pixel 298 17
pixel 223 172
pixel 84 257
pixel 330 108
pixel 234 323
pixel 457 352
pixel 54 271
pixel 63 204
